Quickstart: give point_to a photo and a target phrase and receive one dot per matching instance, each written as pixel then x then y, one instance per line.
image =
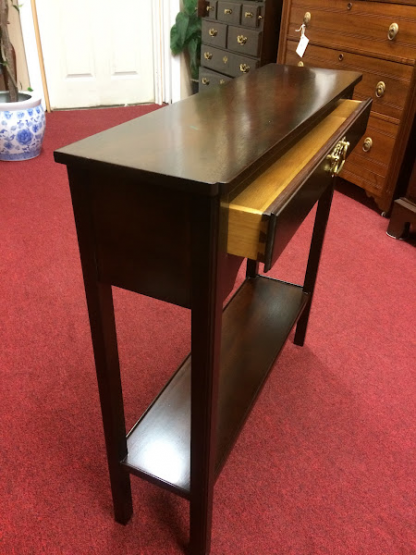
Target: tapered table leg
pixel 318 235
pixel 206 305
pixel 104 339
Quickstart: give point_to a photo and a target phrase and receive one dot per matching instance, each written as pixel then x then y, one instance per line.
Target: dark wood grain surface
pixel 213 137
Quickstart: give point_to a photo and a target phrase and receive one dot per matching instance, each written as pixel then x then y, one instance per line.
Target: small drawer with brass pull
pixel 214 33
pixel 256 210
pixel 229 12
pixel 248 41
pixel 252 15
pixel 211 9
pixel 209 79
pixel 227 62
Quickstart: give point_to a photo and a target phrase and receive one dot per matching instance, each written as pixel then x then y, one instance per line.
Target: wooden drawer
pixel 244 41
pixel 229 12
pixel 214 33
pixel 209 78
pixel 376 73
pixel 358 26
pixel 227 62
pixel 212 9
pixel 252 14
pixel 260 211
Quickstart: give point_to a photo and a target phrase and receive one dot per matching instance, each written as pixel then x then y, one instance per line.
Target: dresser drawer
pixel 359 26
pixel 212 9
pixel 261 221
pixel 376 146
pixel 384 81
pixel 227 62
pixel 209 78
pixel 244 41
pixel 214 33
pixel 252 14
pixel 229 12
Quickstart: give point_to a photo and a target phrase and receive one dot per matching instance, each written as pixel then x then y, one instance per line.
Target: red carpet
pixel 326 462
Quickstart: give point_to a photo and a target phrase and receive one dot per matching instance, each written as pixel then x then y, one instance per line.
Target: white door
pixel 97 52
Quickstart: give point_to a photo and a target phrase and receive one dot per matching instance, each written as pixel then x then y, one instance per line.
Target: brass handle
pixel 245 68
pixel 337 157
pixel 393 30
pixel 222 81
pixel 227 11
pixel 205 81
pixel 368 143
pixel 213 32
pixel 349 6
pixel 307 18
pixel 300 64
pixel 210 8
pixel 225 59
pixel 380 89
pixel 241 39
pixel 341 57
pixel 207 55
pixel 249 14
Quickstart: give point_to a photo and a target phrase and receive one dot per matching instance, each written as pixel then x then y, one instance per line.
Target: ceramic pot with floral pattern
pixel 22 127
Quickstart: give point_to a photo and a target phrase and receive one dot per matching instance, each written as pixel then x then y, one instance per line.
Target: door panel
pixel 97 52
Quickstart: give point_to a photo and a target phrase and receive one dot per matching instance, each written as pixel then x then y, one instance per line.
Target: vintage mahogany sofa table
pixel 169 205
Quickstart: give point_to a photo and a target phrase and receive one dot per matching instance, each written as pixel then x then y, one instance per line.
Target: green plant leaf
pixel 194 49
pixel 178 33
pixel 190 6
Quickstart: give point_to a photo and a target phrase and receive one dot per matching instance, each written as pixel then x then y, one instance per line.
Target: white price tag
pixel 303 43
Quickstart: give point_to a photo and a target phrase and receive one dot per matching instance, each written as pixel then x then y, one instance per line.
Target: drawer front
pixel 209 78
pixel 386 82
pixel 212 9
pixel 375 28
pixel 244 41
pixel 226 62
pixel 252 15
pixel 214 33
pixel 229 12
pixel 265 214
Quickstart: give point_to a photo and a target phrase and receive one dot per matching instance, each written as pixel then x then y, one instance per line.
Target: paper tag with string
pixel 303 41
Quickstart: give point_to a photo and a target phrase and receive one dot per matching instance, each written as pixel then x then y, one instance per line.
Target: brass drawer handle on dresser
pixel 207 55
pixel 393 30
pixel 248 15
pixel 213 32
pixel 244 68
pixel 228 11
pixel 222 81
pixel 307 18
pixel 301 64
pixel 380 89
pixel 337 156
pixel 205 81
pixel 368 143
pixel 241 39
pixel 210 8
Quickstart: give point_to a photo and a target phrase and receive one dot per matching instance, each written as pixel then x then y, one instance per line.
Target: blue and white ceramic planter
pixel 22 126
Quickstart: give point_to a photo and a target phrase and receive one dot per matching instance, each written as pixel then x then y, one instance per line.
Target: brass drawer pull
pixel 227 11
pixel 244 68
pixel 307 18
pixel 241 39
pixel 380 89
pixel 225 59
pixel 349 6
pixel 210 8
pixel 249 14
pixel 222 81
pixel 341 57
pixel 368 143
pixel 393 30
pixel 213 32
pixel 301 64
pixel 207 55
pixel 205 81
pixel 337 157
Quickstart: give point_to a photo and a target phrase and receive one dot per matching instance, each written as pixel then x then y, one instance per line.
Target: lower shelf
pixel 256 324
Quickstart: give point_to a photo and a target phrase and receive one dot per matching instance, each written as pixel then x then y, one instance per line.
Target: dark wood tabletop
pixel 207 141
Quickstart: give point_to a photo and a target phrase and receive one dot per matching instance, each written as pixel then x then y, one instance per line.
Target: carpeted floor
pixel 326 462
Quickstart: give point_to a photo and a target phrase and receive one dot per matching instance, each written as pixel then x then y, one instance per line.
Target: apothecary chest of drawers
pixel 237 37
pixel 379 40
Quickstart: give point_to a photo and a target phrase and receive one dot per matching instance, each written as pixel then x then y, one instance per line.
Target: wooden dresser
pixel 237 37
pixel 377 39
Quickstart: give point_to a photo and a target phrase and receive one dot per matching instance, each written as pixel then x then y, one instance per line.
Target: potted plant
pixel 22 119
pixel 185 36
